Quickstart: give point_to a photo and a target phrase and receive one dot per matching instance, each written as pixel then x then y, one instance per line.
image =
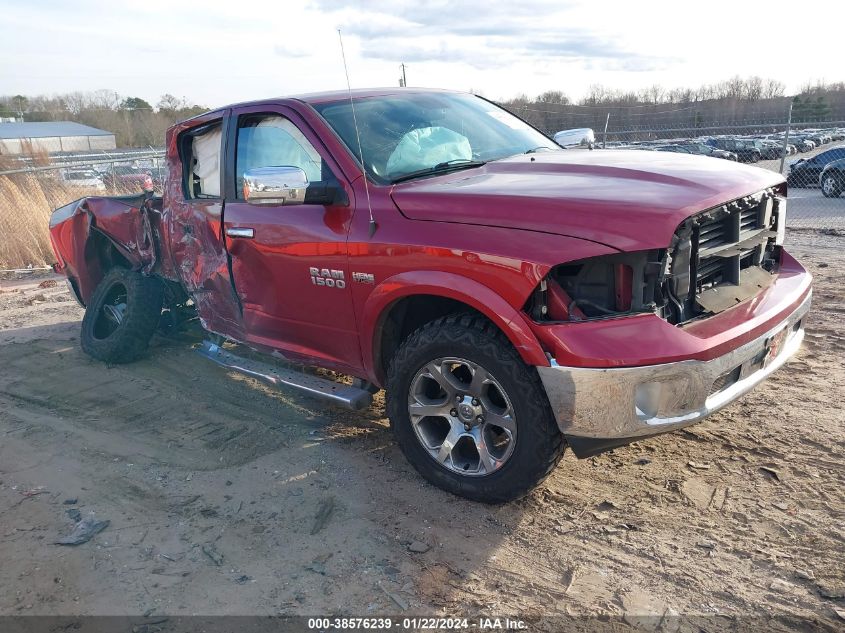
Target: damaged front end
pixel 717 259
pixel 648 342
pixel 601 287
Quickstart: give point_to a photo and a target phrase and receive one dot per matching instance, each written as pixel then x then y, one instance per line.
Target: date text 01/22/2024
pixel 417 624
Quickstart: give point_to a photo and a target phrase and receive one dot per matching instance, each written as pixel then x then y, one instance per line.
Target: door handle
pixel 240 232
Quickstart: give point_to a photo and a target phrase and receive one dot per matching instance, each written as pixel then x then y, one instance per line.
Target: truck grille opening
pixel 724 256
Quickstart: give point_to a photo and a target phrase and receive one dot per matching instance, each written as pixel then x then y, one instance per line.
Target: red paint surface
pixel 484 236
pixel 629 200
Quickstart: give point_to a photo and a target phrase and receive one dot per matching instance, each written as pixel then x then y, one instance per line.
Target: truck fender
pixel 451 286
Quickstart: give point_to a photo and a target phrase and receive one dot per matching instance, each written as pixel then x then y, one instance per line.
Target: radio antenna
pixel 373 224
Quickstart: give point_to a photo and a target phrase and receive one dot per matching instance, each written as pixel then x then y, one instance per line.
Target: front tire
pixel 121 316
pixel 469 414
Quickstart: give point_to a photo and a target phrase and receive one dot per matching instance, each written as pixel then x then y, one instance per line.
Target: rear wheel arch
pixel 99 255
pixel 105 250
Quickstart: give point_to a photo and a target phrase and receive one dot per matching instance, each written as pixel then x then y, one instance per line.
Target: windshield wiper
pixel 441 168
pixel 534 149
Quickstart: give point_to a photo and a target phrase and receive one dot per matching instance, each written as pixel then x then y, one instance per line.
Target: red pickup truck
pixel 512 297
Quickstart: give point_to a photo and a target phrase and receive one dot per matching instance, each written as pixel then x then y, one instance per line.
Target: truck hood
pixel 628 200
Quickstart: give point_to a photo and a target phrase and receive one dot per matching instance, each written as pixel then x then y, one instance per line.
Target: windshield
pixel 403 134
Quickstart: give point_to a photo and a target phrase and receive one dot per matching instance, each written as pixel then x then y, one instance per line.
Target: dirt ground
pixel 225 497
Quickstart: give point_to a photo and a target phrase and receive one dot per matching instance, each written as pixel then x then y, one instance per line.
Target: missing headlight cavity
pixel 600 287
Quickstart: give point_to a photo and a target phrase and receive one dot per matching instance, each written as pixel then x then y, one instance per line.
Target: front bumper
pixel 598 409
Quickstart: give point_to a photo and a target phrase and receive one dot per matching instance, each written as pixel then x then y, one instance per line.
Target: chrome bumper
pixel 632 402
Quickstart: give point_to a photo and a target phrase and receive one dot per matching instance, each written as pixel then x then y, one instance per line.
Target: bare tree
pixel 169 103
pixel 552 96
pixel 773 89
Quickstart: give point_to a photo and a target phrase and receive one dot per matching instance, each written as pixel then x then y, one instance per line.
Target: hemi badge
pixel 364 278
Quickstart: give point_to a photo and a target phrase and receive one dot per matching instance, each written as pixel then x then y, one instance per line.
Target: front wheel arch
pixel 451 291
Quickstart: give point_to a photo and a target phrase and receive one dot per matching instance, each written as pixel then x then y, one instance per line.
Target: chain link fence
pixel 807 150
pixel 32 186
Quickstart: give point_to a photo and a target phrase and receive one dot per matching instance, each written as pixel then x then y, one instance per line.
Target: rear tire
pixel 121 316
pixel 470 346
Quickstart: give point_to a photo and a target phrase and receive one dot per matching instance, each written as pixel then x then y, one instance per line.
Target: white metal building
pixel 52 137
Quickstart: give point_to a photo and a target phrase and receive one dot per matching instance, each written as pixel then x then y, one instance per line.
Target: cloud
pixel 480 34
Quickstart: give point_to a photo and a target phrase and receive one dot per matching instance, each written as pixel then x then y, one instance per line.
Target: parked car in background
pixel 832 179
pixel 82 178
pixel 128 177
pixel 156 171
pixel 802 143
pixel 745 151
pixel 817 137
pixel 805 172
pixel 769 149
pixel 703 149
pixel 678 149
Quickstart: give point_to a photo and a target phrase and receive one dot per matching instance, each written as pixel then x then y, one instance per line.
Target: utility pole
pixel 403 82
pixel 786 137
pixel 606 121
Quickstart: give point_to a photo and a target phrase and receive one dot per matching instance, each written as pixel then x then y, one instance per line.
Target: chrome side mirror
pixel 582 136
pixel 273 186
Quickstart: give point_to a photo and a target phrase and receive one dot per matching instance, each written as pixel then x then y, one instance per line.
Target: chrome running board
pixel 344 395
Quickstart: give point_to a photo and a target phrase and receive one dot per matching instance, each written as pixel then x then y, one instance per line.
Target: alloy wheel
pixel 112 313
pixel 462 416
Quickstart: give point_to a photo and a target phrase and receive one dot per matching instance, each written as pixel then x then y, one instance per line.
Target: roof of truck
pixel 339 95
pixel 315 98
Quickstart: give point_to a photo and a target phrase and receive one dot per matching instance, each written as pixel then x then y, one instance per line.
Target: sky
pixel 213 53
